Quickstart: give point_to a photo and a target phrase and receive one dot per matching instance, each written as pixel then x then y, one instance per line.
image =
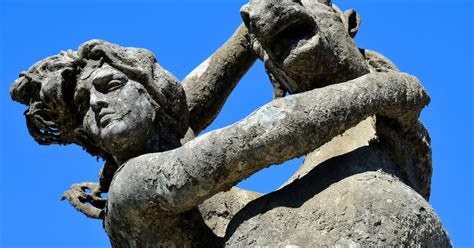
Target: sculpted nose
pixel 97 101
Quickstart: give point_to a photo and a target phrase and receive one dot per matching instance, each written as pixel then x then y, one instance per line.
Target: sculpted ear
pixel 350 18
pixel 352 21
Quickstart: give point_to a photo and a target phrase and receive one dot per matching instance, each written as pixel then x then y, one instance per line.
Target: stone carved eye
pixel 114 84
pixel 109 80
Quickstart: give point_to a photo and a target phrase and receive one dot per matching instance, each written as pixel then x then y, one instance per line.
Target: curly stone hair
pixel 49 89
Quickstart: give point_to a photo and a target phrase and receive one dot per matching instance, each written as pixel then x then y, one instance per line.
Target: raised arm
pixel 208 86
pixel 286 128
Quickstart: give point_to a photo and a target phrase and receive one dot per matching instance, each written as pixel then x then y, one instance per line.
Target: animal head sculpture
pixel 304 44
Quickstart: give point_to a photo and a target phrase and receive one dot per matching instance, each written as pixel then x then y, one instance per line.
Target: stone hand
pixel 85 197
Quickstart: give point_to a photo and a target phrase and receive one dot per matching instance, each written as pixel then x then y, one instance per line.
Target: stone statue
pixel 167 188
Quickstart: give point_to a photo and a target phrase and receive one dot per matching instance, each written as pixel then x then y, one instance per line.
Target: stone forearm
pixel 208 86
pixel 286 128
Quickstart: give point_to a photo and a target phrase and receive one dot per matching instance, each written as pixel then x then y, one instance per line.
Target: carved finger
pixel 90 204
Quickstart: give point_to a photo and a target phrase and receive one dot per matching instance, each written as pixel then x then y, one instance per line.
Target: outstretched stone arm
pixel 208 86
pixel 180 179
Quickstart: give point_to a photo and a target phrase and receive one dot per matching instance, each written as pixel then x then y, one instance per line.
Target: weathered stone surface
pixel 168 188
pixel 218 210
pixel 339 196
pixel 350 140
pixel 378 62
pixel 208 86
pixel 342 195
pixel 301 34
pixel 331 208
pixel 174 182
pixel 277 132
pixel 304 44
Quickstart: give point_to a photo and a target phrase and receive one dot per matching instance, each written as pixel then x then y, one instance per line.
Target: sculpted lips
pixel 104 118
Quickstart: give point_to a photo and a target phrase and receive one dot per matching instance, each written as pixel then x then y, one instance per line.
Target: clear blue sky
pixel 432 40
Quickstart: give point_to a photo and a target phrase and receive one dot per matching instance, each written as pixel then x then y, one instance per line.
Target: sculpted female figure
pixel 118 103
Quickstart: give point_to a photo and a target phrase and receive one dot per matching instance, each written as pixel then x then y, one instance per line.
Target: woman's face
pixel 119 113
